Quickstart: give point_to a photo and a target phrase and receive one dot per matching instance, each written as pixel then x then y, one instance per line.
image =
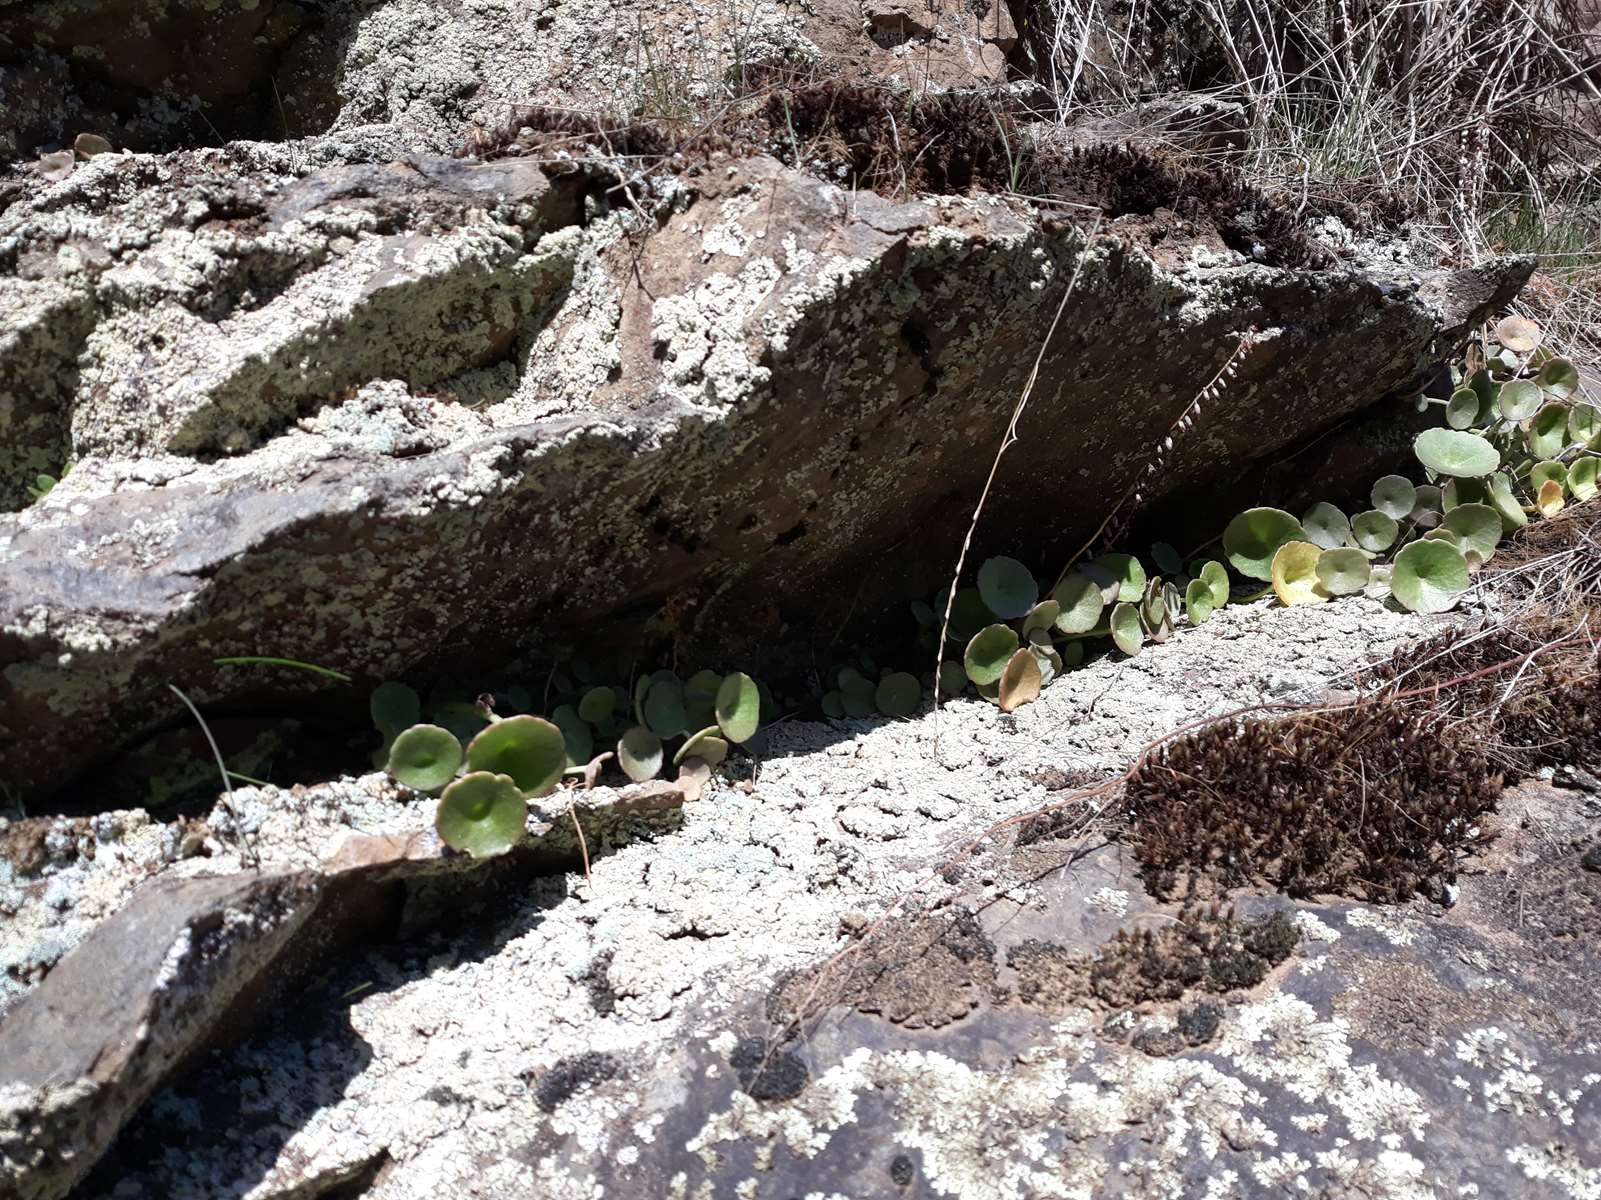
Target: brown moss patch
pixel 919 973
pixel 1206 950
pixel 1373 801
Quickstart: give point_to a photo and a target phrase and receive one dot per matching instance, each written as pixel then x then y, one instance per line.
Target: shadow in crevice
pixel 226 1125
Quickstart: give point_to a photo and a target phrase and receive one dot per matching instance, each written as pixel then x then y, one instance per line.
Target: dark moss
pixel 1199 1022
pixel 1371 801
pixel 902 1171
pixel 767 1073
pixel 572 1073
pixel 598 984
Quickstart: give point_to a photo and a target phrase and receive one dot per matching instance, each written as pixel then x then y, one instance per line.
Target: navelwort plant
pixel 1518 441
pixel 485 767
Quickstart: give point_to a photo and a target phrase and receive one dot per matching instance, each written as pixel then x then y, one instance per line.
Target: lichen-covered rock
pixel 275 884
pixel 772 401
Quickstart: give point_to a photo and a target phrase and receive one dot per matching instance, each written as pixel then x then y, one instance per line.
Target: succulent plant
pixel 739 707
pixel 988 653
pixel 1167 559
pixel 1429 576
pixel 1518 334
pixel 1582 477
pixel 598 705
pixel 639 752
pixel 1042 616
pixel 1394 496
pixel 1456 452
pixel 1020 682
pixel 482 814
pixel 1505 502
pixel 1549 470
pixel 1584 426
pixel 1128 573
pixel 1080 602
pixel 1254 537
pixel 707 745
pixel 1374 531
pixel 576 735
pixel 1295 577
pixel 1548 432
pixel 1127 632
pixel 1462 409
pixel 1216 577
pixel 952 678
pixel 1007 587
pixel 1519 399
pixel 1199 602
pixel 1326 526
pixel 663 707
pixel 1343 571
pixel 1549 500
pixel 898 694
pixel 1428 506
pixel 530 750
pixel 395 708
pixel 1478 526
pixel 425 757
pixel 1558 378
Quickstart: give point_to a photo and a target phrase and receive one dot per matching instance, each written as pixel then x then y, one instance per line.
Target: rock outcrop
pixel 415 416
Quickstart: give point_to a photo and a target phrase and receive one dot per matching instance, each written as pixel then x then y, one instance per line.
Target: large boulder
pixel 422 415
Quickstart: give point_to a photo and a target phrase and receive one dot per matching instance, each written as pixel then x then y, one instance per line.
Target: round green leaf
pixel 1442 534
pixel 394 707
pixel 1394 496
pixel 1505 502
pixel 1073 654
pixel 483 814
pixel 1199 602
pixel 1254 537
pixel 1343 572
pixel 1295 577
pixel 705 745
pixel 700 699
pixel 1428 576
pixel 1548 433
pixel 1126 569
pixel 1464 491
pixel 988 652
pixel 1127 632
pixel 1374 530
pixel 1007 587
pixel 1479 527
pixel 1519 399
pixel 424 757
pixel 529 749
pixel 1042 616
pixel 1081 602
pixel 969 613
pixel 1582 477
pixel 833 705
pixel 1487 390
pixel 1453 452
pixel 1549 470
pixel 922 614
pixel 739 707
pixel 1430 504
pixel 1584 425
pixel 952 678
pixel 1462 410
pixel 1166 558
pixel 1559 378
pixel 1216 577
pixel 1326 525
pixel 899 694
pixel 597 705
pixel 664 711
pixel 576 734
pixel 640 753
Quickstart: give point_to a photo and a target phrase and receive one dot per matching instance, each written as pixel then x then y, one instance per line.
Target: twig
pixel 227 786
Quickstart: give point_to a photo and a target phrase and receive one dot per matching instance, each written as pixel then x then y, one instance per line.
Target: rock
pixel 318 411
pixel 190 959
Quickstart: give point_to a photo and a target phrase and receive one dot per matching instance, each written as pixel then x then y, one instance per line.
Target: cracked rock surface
pixel 628 1034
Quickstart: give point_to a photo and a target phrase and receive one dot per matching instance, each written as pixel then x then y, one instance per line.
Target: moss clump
pixel 1206 949
pixel 1372 801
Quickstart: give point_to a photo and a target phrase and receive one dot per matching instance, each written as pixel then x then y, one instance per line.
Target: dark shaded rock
pixel 617 411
